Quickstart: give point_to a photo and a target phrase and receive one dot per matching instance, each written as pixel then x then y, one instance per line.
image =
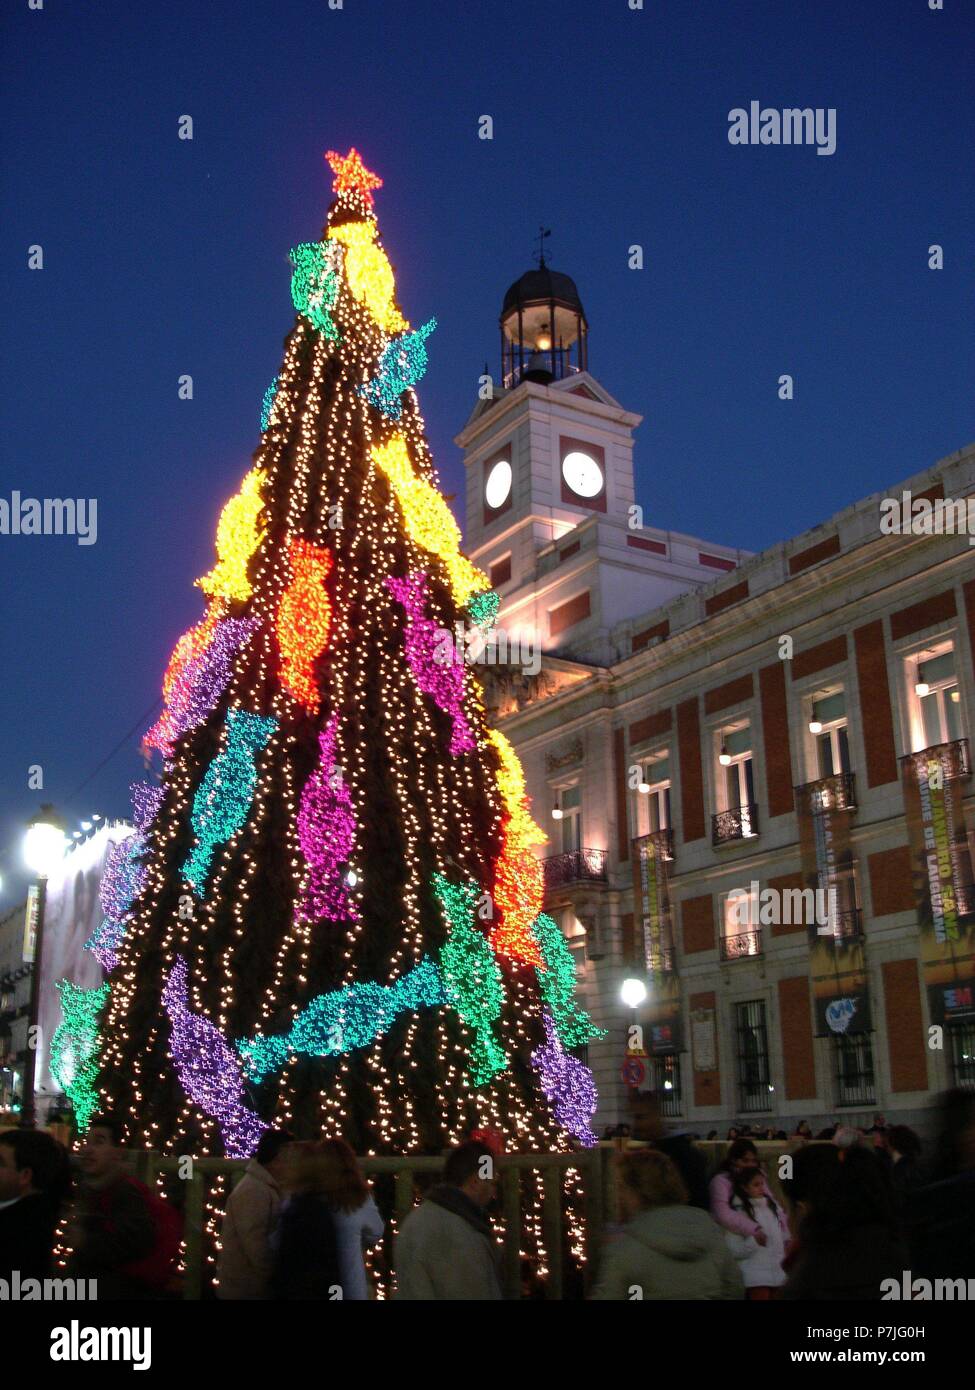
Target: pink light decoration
pixel 326 833
pixel 194 689
pixel 440 679
pixel 567 1084
pixel 210 1070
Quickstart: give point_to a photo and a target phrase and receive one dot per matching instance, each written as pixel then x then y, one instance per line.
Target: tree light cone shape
pixel 43 848
pixel 633 993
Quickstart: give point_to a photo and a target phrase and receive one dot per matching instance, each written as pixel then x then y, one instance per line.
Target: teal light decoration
pixel 223 799
pixel 337 1023
pixel 483 609
pixel 472 977
pixel 268 404
pixel 315 283
pixel 75 1046
pixel 557 983
pixel 401 365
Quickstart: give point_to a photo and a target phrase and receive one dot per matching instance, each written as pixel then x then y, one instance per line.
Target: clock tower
pixel 551 512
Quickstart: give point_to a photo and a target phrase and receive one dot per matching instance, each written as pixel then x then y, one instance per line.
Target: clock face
pixel 498 485
pixel 582 474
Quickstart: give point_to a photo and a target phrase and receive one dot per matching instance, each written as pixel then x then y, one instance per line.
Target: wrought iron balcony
pixel 578 866
pixel 845 926
pixel 660 840
pixel 954 757
pixel 746 943
pixel 834 793
pixel 741 823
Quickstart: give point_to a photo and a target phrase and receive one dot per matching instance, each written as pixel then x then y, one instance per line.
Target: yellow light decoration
pixel 522 829
pixel 428 519
pixel 237 539
pixel 369 273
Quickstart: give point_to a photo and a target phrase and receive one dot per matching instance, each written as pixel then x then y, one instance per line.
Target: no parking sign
pixel 633 1072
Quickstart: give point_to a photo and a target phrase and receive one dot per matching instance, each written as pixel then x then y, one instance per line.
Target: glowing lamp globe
pixel 44 845
pixel 633 993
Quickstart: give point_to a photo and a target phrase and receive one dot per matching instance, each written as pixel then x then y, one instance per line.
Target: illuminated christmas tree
pixel 330 915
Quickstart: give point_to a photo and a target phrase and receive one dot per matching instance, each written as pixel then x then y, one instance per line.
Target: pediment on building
pixel 508 689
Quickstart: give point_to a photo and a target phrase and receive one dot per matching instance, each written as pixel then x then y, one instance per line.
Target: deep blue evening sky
pixel 165 256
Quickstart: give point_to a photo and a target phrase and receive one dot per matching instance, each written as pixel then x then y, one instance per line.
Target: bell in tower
pixel 543 327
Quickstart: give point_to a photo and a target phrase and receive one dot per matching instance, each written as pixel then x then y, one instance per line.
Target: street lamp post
pixel 43 851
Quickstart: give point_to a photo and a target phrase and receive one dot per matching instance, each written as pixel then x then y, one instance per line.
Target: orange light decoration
pixel 237 539
pixel 519 879
pixel 303 621
pixel 189 647
pixel 352 175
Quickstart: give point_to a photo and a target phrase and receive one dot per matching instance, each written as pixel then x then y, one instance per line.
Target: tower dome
pixel 543 328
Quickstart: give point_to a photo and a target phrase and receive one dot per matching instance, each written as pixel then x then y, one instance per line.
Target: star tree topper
pixel 351 173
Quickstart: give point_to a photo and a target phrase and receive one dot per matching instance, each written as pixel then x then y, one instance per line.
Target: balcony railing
pixel 834 793
pixel 660 841
pixel 954 757
pixel 738 824
pixel 746 943
pixel 578 866
pixel 845 926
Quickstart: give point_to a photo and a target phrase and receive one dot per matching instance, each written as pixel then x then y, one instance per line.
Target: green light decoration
pixel 402 364
pixel 472 976
pixel 75 1046
pixel 267 405
pixel 315 284
pixel 557 983
pixel 339 1022
pixel 223 799
pixel 483 609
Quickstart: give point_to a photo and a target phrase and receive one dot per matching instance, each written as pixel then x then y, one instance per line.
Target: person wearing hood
pixel 446 1248
pixel 246 1260
pixel 667 1250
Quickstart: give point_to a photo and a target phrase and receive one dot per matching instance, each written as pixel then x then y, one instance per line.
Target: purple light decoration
pixel 567 1084
pixel 123 878
pixel 104 943
pixel 146 800
pixel 209 1069
pixel 122 881
pixel 422 641
pixel 326 833
pixel 197 690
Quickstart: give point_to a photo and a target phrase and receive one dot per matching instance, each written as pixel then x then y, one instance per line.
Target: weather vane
pixel 543 232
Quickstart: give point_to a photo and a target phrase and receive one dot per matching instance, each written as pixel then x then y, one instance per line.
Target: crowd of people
pixel 859 1207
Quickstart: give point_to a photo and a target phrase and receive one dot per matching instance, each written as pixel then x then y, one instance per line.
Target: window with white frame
pixel 653 794
pixel 740 925
pixel 735 775
pixel 936 698
pixel 569 801
pixel 829 727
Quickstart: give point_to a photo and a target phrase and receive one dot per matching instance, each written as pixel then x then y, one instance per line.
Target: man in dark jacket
pixel 112 1226
pixel 33 1179
pixel 678 1145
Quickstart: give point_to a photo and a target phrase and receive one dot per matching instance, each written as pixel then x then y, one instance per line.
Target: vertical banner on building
pixel 653 894
pixel 30 924
pixel 72 912
pixel 837 966
pixel 942 877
